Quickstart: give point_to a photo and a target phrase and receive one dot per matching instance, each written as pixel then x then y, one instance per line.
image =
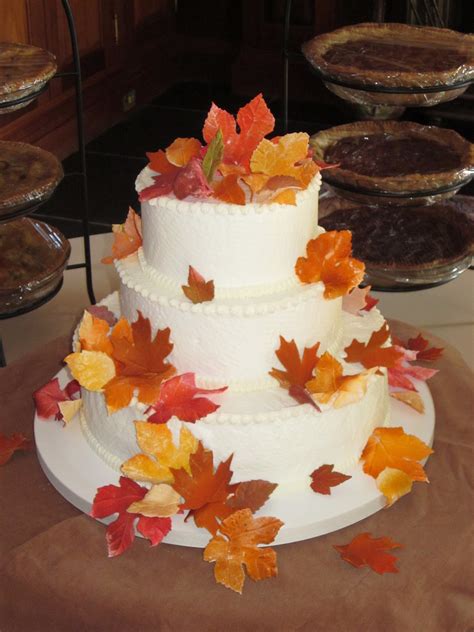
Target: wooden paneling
pixel 146 9
pixel 14 21
pixel 87 16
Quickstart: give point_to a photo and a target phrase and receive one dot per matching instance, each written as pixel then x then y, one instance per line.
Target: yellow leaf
pixel 92 369
pixel 160 502
pixel 279 159
pixel 286 196
pixel 69 409
pixel 160 453
pixel 93 334
pixel 393 484
pixel 181 151
pixel 412 398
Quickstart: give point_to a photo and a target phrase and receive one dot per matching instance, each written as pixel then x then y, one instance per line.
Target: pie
pixel 28 175
pixel 419 238
pixel 394 56
pixel 24 70
pixel 394 157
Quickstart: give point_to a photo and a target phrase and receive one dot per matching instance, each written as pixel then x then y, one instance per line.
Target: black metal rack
pixel 81 174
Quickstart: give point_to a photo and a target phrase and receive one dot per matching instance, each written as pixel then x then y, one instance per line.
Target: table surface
pixel 446 311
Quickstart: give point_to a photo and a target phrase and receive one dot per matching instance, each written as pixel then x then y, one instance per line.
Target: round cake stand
pixel 76 471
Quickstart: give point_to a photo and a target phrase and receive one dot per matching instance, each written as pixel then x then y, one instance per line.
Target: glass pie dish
pixel 33 256
pixel 406 248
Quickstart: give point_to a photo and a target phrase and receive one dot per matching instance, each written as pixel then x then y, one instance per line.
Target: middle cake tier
pixel 231 340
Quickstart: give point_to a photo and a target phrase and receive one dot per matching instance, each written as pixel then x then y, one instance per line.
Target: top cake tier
pixel 247 246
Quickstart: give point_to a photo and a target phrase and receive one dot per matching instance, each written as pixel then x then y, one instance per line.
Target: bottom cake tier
pixel 271 436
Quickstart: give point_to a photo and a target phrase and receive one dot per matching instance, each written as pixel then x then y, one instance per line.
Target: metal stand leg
pixel 3 361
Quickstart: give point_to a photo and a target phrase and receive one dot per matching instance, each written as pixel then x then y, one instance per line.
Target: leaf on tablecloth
pixel 236 546
pixel 160 454
pixel 198 289
pixel 374 353
pixel 178 398
pixel 328 260
pixel 324 477
pixel 16 442
pixel 127 237
pixel 120 533
pixel 364 550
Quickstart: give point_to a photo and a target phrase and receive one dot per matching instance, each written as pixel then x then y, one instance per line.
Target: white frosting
pixel 235 246
pixel 272 437
pixel 230 340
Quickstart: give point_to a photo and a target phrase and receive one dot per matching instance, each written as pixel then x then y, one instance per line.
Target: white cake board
pixel 76 471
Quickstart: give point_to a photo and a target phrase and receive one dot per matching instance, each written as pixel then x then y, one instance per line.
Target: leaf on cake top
pixel 330 386
pixel 228 190
pixel 324 477
pixel 16 442
pixel 213 156
pixel 198 289
pixel 127 237
pixel 328 260
pixel 48 397
pixel 374 353
pixel 181 150
pixel 191 181
pixel 178 398
pixel 391 447
pixel 159 453
pixel 128 501
pixel 140 363
pixel 204 489
pixel 159 162
pixel 364 550
pixel 236 546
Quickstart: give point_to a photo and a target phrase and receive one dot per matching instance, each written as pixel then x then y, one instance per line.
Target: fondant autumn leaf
pixel 330 386
pixel 411 398
pixel 424 351
pixel 364 550
pixel 161 501
pixel 328 260
pixel 190 181
pixel 251 495
pixel 358 300
pixel 204 489
pixel 324 477
pixel 16 442
pixel 255 121
pixel 374 353
pixel 94 334
pixel 181 150
pixel 120 534
pixel 127 237
pixel 198 289
pixel 298 370
pixel 140 362
pixel 48 397
pixel 160 164
pixel 236 546
pixel 160 454
pixel 213 157
pixel 102 312
pixel 391 447
pixel 393 484
pixel 162 185
pixel 92 369
pixel 178 398
pixel 228 190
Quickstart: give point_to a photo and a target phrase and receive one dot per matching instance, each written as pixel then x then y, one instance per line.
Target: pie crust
pixel 416 239
pixel 28 175
pixel 24 70
pixel 452 163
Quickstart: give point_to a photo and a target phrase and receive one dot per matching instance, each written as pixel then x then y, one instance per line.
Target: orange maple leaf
pixel 298 370
pixel 391 447
pixel 181 150
pixel 363 550
pixel 205 491
pixel 228 190
pixel 127 236
pixel 198 289
pixel 393 484
pixel 94 334
pixel 328 260
pixel 140 363
pixel 13 443
pixel 238 546
pixel 160 163
pixel 329 385
pixel 373 353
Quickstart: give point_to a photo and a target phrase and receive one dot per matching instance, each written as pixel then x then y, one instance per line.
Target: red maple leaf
pixel 11 444
pixel 48 397
pixel 120 533
pixel 364 550
pixel 324 478
pixel 191 181
pixel 205 490
pixel 163 185
pixel 426 353
pixel 178 399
